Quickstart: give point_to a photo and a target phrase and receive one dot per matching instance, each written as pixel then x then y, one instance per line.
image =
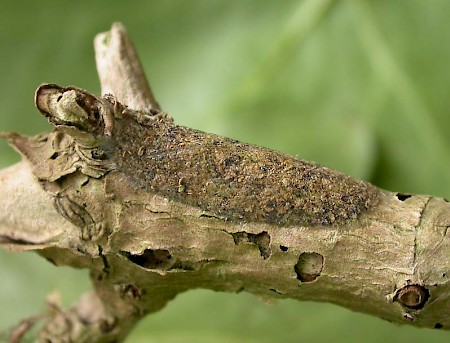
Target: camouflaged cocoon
pixel 233 180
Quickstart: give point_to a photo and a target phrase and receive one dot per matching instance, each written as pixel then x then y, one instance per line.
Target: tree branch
pixel 120 71
pixel 153 209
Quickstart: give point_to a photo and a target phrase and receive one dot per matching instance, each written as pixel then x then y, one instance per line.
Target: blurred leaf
pixel 27 279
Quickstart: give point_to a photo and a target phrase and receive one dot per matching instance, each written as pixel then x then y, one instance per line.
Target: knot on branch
pixel 413 297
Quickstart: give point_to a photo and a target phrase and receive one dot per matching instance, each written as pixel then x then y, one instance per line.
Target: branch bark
pixel 153 209
pixel 120 71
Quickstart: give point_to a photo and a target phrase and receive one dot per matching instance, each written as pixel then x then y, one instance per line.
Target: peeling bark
pixel 153 209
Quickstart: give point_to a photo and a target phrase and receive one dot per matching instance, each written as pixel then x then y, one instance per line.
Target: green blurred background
pixel 357 85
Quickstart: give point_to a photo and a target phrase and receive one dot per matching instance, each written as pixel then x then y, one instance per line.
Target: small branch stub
pixel 120 71
pixel 412 296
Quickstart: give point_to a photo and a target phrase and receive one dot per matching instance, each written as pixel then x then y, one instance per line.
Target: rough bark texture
pixel 154 209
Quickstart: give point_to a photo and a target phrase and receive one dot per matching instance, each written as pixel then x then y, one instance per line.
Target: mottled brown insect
pixel 234 180
pixel 226 178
